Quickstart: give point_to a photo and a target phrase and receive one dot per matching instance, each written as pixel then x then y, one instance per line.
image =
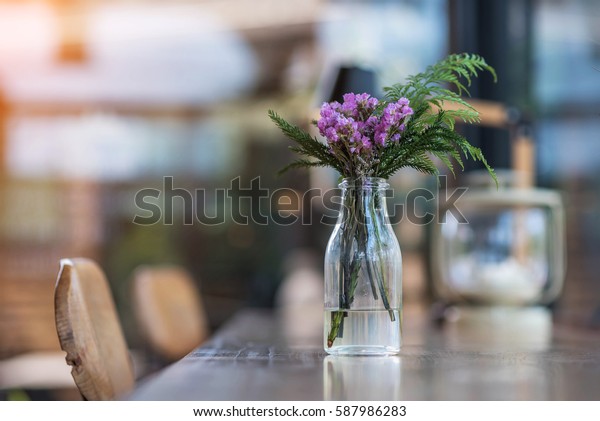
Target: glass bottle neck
pixel 364 200
pixel 374 183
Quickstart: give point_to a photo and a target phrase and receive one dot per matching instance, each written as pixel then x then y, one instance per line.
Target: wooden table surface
pixel 254 357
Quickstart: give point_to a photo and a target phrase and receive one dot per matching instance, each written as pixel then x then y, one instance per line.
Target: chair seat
pixel 36 370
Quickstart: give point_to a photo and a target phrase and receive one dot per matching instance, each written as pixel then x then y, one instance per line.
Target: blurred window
pixel 566 40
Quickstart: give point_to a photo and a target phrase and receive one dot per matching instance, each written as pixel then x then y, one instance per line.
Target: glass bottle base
pixel 363 332
pixel 360 350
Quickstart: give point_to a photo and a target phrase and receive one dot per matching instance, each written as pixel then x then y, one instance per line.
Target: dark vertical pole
pixel 463 31
pixel 500 31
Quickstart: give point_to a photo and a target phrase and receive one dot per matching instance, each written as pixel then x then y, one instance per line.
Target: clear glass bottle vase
pixel 363 275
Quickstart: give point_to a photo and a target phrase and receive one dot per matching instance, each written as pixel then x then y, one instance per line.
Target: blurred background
pixel 99 99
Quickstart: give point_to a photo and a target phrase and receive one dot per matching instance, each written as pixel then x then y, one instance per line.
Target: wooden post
pixel 523 160
pixel 523 163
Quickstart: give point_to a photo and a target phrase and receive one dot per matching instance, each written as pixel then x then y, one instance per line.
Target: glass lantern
pixel 504 247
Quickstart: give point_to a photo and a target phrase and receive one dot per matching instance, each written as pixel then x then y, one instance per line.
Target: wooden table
pixel 253 357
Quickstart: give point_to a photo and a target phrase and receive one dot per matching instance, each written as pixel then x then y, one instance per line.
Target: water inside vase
pixel 366 332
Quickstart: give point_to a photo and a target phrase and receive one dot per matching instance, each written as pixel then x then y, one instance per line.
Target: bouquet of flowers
pixel 367 137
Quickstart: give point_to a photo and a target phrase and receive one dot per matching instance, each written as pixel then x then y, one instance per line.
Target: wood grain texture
pixel 89 331
pixel 169 310
pixel 250 358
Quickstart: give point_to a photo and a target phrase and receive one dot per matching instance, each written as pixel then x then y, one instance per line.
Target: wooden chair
pixel 89 331
pixel 168 310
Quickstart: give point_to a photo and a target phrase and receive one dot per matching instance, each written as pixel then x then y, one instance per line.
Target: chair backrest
pixel 168 310
pixel 89 331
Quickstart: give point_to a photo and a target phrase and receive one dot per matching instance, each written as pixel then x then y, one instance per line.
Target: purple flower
pixel 392 122
pixel 355 126
pixel 331 134
pixel 358 106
